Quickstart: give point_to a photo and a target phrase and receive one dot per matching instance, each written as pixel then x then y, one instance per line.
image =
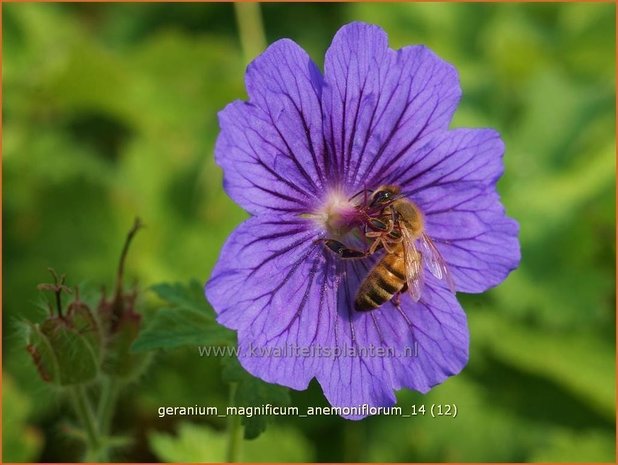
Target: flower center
pixel 338 215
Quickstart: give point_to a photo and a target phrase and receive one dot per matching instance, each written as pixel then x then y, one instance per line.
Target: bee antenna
pixel 398 196
pixel 359 193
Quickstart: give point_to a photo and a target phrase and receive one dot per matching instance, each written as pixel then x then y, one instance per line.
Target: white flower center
pixel 338 215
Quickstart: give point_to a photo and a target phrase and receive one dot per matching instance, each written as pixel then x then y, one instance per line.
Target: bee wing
pixel 413 264
pixel 434 260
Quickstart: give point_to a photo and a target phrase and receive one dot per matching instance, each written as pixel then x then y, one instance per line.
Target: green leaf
pixel 186 320
pixel 197 443
pixel 542 199
pixel 253 392
pixel 482 431
pixel 579 361
pixel 189 296
pixel 566 446
pixel 178 327
pixel 193 443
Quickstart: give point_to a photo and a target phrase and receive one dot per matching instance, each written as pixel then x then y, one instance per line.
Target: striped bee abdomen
pixel 385 280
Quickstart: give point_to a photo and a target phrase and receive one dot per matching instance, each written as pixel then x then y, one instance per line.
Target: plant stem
pixel 86 418
pixel 107 404
pixel 250 29
pixel 137 224
pixel 234 430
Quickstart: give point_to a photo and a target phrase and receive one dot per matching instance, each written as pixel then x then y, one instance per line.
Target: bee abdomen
pixel 380 285
pixel 394 265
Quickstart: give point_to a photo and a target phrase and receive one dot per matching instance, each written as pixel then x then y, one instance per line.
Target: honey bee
pixel 395 224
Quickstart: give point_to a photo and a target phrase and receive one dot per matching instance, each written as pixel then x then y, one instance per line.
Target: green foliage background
pixel 110 111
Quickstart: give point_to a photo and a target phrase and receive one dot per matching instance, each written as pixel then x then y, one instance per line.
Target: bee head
pixel 384 196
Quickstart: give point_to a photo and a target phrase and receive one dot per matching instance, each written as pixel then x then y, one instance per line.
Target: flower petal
pixel 453 179
pixel 436 330
pixel 271 148
pixel 417 345
pixel 272 285
pixel 292 304
pixel 380 104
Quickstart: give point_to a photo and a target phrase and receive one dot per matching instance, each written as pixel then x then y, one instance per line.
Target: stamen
pixel 338 215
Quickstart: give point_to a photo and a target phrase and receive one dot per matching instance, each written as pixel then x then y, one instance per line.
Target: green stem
pixel 137 224
pixel 107 405
pixel 86 418
pixel 234 430
pixel 250 29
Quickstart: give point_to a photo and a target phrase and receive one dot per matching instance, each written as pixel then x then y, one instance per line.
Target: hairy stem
pixel 107 405
pixel 87 419
pixel 234 430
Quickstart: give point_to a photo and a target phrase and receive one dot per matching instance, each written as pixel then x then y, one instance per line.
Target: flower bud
pixel 122 324
pixel 66 348
pixel 85 323
pixel 63 354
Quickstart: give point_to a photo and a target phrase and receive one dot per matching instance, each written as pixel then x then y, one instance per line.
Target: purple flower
pixel 296 156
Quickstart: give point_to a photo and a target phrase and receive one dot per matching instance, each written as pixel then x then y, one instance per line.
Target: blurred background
pixel 110 111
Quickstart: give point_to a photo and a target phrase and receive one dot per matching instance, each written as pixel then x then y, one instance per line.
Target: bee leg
pixel 343 251
pixel 396 300
pixel 387 246
pixel 378 227
pixel 374 246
